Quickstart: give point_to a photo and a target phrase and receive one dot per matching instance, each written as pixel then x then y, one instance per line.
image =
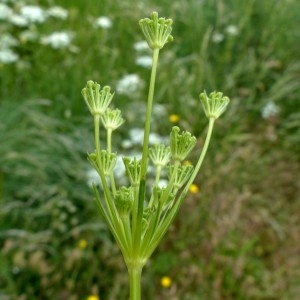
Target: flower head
pixel 5 12
pixel 194 188
pixel 130 85
pixel 97 99
pixel 124 200
pixel 133 170
pixel 112 119
pixel 214 104
pixel 160 155
pixel 157 31
pixel 8 56
pixel 144 61
pixel 33 13
pixel 82 244
pixel 57 12
pixel 232 30
pixel 103 22
pixel 166 281
pixel 58 40
pixel 174 118
pixel 93 297
pixel 107 159
pixel 181 144
pixel 270 110
pixel 182 175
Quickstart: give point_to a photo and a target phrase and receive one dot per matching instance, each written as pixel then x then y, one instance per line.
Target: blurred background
pixel 241 237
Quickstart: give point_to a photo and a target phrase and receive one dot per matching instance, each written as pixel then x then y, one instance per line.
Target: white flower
pixel 141 46
pixel 18 20
pixel 5 12
pixel 232 30
pixel 217 37
pixel 7 41
pixel 162 183
pixel 126 144
pixel 57 12
pixel 159 110
pixel 129 84
pixel 28 35
pixel 33 14
pixel 119 169
pixel 270 110
pixel 155 139
pixel 103 22
pixel 136 136
pixel 8 56
pixel 144 61
pixel 58 40
pixel 92 177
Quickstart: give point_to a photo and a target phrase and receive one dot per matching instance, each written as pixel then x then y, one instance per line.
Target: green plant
pixel 139 215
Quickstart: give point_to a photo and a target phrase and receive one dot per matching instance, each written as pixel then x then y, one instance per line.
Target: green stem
pixel 200 160
pixel 112 213
pixel 137 228
pixel 148 114
pixel 109 133
pixel 135 274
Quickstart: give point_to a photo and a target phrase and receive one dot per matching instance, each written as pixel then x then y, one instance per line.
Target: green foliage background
pixel 235 239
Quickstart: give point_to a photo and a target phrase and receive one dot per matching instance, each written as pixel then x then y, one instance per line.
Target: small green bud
pixel 107 159
pixel 124 200
pixel 183 174
pixel 96 99
pixel 160 155
pixel 112 119
pixel 158 193
pixel 93 160
pixel 133 170
pixel 181 144
pixel 214 104
pixel 148 211
pixel 157 31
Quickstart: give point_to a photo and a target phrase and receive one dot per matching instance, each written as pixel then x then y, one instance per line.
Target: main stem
pixel 137 227
pixel 148 114
pixel 135 274
pixel 135 271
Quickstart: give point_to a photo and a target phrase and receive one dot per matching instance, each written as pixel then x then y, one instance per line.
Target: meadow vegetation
pixel 236 235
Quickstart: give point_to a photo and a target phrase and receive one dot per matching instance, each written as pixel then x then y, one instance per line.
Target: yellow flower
pixel 82 244
pixel 174 118
pixel 187 163
pixel 93 297
pixel 166 282
pixel 194 188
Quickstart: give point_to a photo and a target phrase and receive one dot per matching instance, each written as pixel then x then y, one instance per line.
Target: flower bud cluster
pixel 112 119
pixel 97 99
pixel 107 161
pixel 182 175
pixel 133 170
pixel 214 104
pixel 181 144
pixel 160 155
pixel 124 200
pixel 157 31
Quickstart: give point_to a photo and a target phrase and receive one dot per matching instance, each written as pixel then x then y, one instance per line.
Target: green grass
pixel 240 240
